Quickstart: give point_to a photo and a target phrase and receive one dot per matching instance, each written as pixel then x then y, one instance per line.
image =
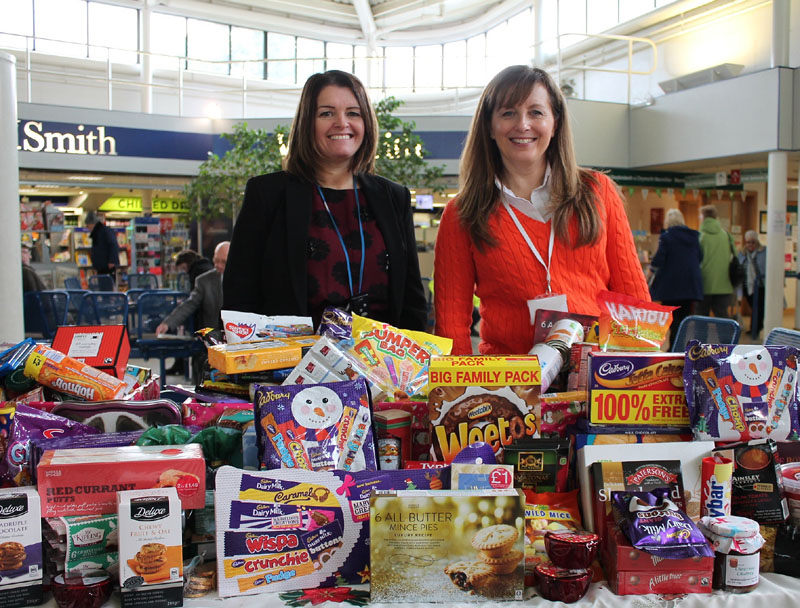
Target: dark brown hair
pixel 303 156
pixel 186 256
pixel 570 186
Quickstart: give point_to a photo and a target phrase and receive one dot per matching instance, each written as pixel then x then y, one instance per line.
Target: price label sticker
pixel 655 408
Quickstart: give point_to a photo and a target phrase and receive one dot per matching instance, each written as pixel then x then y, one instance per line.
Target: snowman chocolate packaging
pixel 319 427
pixel 739 393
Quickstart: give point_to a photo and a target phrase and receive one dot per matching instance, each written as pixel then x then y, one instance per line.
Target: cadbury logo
pixel 616 367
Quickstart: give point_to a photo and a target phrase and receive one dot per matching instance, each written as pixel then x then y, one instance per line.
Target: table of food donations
pixel 360 463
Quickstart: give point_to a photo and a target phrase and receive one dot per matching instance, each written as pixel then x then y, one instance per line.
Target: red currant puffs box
pixel 489 399
pixel 86 481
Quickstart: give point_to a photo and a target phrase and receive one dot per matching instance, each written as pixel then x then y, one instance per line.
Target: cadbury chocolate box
pixel 489 399
pixel 86 481
pixel 150 548
pixel 640 390
pixel 454 546
pixel 20 548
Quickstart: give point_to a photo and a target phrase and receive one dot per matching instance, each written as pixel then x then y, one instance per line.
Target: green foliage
pixel 401 152
pixel 218 189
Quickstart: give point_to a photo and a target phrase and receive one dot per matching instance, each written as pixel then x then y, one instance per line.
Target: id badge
pixel 359 304
pixel 547 301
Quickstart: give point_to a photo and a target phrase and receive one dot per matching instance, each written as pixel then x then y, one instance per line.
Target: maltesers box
pixel 150 548
pixel 275 353
pixel 20 548
pixel 105 347
pixel 446 546
pixel 490 399
pixel 640 390
pixel 621 556
pixel 86 481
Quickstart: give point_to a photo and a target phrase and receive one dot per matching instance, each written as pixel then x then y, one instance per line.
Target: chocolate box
pixel 20 548
pixel 642 390
pixel 86 481
pixel 644 582
pixel 150 548
pixel 104 347
pixel 489 399
pixel 275 353
pixel 621 556
pixel 454 546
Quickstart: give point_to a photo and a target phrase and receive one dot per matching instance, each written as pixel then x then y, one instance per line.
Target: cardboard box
pixel 465 476
pixel 276 353
pixel 150 548
pixel 643 583
pixel 489 399
pixel 641 390
pixel 621 556
pixel 446 546
pixel 690 453
pixel 86 481
pixel 21 547
pixel 105 347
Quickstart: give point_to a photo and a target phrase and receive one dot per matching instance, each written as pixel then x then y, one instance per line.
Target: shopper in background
pixel 676 264
pixel 193 264
pixel 105 250
pixel 754 259
pixel 717 246
pixel 327 231
pixel 527 222
pixel 30 280
pixel 205 302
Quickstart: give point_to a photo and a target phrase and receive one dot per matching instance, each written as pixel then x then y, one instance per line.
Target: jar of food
pixel 737 543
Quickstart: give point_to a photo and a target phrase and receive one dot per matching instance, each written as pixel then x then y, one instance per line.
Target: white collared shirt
pixel 538 206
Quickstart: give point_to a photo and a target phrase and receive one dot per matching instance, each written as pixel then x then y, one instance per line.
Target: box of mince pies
pixel 20 548
pixel 489 399
pixel 446 546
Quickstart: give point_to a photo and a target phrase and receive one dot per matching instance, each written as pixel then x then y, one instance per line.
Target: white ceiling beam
pixel 368 27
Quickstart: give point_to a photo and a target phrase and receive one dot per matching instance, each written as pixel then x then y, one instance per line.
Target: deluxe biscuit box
pixel 20 548
pixel 455 546
pixel 489 399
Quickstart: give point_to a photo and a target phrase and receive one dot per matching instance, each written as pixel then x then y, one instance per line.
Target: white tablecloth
pixel 774 591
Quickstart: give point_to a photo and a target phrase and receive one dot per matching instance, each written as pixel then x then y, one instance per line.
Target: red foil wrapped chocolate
pixel 567 549
pixel 90 590
pixel 562 584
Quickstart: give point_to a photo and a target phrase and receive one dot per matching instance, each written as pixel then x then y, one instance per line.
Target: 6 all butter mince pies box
pixel 452 546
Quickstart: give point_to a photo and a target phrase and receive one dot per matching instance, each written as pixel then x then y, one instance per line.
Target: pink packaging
pixel 791 485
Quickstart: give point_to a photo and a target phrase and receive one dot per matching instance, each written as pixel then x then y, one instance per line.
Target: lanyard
pixel 341 240
pixel 531 245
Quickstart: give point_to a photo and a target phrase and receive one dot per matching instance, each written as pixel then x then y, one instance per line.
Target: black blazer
pixel 266 268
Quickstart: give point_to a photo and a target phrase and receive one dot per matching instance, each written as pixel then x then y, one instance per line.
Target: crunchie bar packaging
pixel 86 481
pixel 489 399
pixel 20 548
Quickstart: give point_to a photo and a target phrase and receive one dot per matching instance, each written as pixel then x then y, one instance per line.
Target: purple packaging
pixel 288 529
pixel 318 427
pixel 638 391
pixel 653 523
pixel 744 392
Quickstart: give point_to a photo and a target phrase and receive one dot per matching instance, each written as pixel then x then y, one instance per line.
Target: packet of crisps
pixel 396 360
pixel 627 323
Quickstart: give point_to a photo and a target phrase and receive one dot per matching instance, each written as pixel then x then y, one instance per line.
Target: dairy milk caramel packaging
pixel 20 548
pixel 150 548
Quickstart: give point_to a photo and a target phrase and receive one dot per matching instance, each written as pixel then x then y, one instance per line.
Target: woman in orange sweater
pixel 528 223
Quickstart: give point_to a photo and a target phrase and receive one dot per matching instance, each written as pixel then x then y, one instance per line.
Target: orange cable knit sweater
pixel 505 277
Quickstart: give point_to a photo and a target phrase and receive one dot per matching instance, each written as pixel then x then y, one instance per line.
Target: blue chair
pixel 101 282
pixel 142 281
pixel 103 308
pixel 709 330
pixel 72 283
pixel 44 312
pixel 152 307
pixel 780 336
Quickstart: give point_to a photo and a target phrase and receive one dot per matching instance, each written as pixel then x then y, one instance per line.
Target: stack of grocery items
pixel 365 453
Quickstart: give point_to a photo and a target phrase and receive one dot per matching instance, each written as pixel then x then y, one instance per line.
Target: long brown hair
pixel 570 186
pixel 303 157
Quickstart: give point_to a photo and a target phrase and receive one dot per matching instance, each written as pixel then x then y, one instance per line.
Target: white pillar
pixel 11 321
pixel 147 64
pixel 538 33
pixel 779 55
pixel 776 239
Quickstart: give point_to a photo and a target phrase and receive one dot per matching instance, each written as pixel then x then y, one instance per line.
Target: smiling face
pixel 523 132
pixel 751 365
pixel 317 407
pixel 338 125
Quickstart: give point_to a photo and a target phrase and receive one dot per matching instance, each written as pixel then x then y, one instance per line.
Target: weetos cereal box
pixel 643 390
pixel 490 399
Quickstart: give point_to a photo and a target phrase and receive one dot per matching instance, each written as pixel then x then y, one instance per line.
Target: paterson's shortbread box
pixel 489 399
pixel 447 546
pixel 20 548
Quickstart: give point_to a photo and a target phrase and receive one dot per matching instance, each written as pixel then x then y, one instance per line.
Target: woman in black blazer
pixel 327 231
